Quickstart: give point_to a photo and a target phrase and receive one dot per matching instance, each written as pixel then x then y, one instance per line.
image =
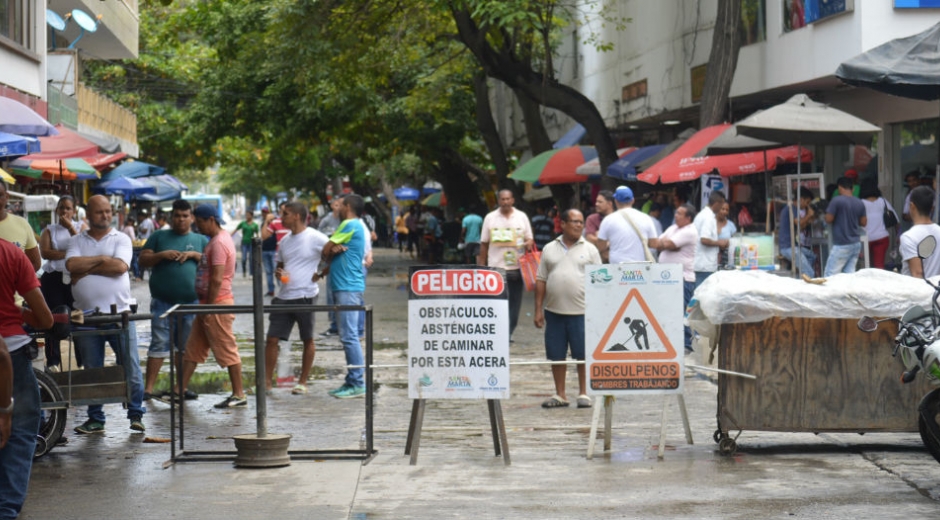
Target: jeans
pixel 807 259
pixel 267 258
pixel 163 330
pixel 135 264
pixel 348 322
pixel 842 259
pixel 516 288
pixel 701 276
pixel 362 314
pixel 16 459
pixel 247 258
pixel 92 349
pixel 330 300
pixel 688 290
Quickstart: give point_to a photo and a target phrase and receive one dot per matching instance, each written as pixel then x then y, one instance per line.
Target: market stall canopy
pixel 12 145
pixel 55 169
pixel 684 164
pixel 625 168
pixel 435 200
pixel 555 166
pixel 431 187
pixel 66 144
pixel 6 177
pixel 571 137
pixel 166 187
pixel 103 160
pixel 133 170
pixel 406 193
pixel 906 67
pixel 128 187
pixel 804 121
pixel 730 141
pixel 17 118
pixel 593 167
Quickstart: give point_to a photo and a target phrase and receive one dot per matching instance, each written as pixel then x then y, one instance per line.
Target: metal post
pixel 370 385
pixel 257 294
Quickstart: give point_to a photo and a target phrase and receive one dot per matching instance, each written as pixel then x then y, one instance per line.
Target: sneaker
pixel 350 392
pixel 90 426
pixel 233 401
pixel 299 390
pixel 337 390
pixel 137 425
pixel 189 395
pixel 329 332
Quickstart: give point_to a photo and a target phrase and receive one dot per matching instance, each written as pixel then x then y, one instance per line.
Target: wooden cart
pixel 813 375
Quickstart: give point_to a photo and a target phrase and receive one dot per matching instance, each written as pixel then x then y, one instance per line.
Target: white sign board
pixel 633 328
pixel 458 333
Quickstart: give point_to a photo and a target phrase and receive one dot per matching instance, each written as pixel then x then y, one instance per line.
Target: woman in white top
pixel 53 243
pixel 879 237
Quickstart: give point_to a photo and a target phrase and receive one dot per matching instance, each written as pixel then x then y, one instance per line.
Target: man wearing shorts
pixel 214 286
pixel 174 256
pixel 298 256
pixel 559 302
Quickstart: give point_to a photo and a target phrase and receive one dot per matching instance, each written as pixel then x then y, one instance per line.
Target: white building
pixel 653 75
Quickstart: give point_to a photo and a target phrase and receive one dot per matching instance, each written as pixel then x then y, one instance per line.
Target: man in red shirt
pixel 19 414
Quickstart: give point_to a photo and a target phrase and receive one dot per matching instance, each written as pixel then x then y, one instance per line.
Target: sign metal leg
pixel 608 419
pixel 416 431
pixel 494 425
pixel 685 419
pixel 503 441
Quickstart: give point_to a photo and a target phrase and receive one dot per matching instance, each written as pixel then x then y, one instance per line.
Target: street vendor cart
pixel 815 371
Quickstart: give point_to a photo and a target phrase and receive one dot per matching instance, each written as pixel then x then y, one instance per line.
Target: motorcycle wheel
pixel 53 421
pixel 929 423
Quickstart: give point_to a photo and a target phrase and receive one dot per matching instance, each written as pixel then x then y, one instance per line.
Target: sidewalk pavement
pixel 773 475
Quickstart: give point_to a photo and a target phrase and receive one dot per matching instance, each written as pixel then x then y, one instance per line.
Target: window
pixel 17 21
pixel 753 22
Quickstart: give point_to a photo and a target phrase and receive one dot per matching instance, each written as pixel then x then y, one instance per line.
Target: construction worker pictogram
pixel 634 326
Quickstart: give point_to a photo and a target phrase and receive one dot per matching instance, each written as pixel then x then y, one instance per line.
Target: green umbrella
pixel 555 166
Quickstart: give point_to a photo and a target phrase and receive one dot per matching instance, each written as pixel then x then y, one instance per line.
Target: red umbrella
pixel 682 165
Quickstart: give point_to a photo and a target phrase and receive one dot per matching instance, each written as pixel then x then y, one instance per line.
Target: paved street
pixel 773 475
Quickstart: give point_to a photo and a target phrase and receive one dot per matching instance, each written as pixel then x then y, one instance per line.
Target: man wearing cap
pixel 504 238
pixel 625 233
pixel 174 256
pixel 856 187
pixel 214 287
pixel 98 261
pixel 845 214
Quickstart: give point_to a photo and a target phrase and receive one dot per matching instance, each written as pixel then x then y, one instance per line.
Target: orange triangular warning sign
pixel 636 351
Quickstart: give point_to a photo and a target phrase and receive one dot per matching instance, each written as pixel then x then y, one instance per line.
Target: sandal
pixel 555 402
pixel 584 401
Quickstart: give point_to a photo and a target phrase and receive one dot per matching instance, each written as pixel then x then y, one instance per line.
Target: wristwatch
pixel 9 409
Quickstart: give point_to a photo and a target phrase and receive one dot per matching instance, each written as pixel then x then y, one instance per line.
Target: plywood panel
pixel 814 375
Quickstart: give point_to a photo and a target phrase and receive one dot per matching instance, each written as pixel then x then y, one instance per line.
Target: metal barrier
pixel 258 310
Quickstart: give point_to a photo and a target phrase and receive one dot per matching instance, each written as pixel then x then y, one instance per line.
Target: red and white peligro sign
pixel 434 282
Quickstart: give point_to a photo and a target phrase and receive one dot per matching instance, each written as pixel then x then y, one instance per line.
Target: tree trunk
pixel 722 62
pixel 488 129
pixel 461 192
pixel 504 66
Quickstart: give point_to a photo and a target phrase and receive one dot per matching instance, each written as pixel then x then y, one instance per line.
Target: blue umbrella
pixel 16 145
pixel 134 170
pixel 167 187
pixel 625 167
pixel 129 188
pixel 406 193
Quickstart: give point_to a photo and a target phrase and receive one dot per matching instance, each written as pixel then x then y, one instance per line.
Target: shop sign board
pixel 458 333
pixel 633 328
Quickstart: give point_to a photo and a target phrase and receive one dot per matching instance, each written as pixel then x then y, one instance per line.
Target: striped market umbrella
pixel 56 169
pixel 435 200
pixel 7 178
pixel 555 166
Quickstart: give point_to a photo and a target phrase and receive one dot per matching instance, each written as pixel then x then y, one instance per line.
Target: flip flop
pixel 584 401
pixel 555 402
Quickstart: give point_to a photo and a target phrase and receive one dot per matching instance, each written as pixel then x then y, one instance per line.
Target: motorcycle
pixel 918 345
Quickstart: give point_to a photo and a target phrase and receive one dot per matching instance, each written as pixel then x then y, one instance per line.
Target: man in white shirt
pixel 678 245
pixel 297 259
pixel 921 207
pixel 504 238
pixel 706 254
pixel 626 232
pixel 98 261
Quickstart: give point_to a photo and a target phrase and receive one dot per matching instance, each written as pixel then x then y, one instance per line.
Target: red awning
pixel 103 160
pixel 682 165
pixel 66 145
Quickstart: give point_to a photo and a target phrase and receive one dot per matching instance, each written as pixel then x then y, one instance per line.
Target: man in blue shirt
pixel 345 252
pixel 471 226
pixel 846 215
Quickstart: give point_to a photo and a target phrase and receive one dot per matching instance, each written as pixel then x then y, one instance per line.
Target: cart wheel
pixel 52 424
pixel 717 436
pixel 727 446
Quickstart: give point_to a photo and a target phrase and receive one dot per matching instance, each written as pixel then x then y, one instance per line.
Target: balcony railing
pixel 100 113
